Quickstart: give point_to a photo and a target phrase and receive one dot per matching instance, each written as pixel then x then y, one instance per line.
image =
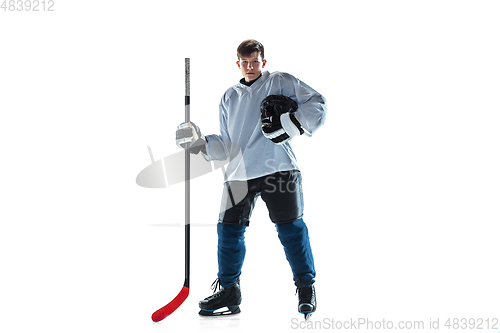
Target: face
pixel 251 66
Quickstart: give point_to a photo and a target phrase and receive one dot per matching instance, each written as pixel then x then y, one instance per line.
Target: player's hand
pixel 188 136
pixel 277 114
pixel 281 128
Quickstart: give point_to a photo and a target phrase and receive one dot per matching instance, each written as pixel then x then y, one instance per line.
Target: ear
pixel 264 62
pixel 238 63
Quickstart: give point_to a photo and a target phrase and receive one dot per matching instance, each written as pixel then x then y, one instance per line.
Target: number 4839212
pixel 27 5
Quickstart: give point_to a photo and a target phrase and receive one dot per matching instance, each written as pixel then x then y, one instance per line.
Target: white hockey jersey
pixel 251 154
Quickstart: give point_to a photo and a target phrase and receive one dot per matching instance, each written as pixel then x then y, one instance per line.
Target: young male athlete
pixel 258 117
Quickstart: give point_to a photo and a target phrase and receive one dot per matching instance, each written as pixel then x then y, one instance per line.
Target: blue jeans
pixel 293 236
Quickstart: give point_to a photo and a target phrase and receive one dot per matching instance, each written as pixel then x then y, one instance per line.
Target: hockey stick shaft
pixel 184 293
pixel 187 173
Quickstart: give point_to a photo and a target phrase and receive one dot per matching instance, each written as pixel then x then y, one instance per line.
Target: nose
pixel 249 65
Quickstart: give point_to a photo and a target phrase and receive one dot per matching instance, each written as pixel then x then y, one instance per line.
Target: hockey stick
pixel 183 294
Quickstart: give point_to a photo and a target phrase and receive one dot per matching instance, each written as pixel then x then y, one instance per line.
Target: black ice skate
pixel 224 302
pixel 307 301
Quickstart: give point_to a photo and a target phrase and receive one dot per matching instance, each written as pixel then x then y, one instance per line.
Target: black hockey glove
pixel 188 136
pixel 279 123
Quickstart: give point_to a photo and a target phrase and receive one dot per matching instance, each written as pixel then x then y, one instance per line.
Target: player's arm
pixel 213 146
pixel 311 105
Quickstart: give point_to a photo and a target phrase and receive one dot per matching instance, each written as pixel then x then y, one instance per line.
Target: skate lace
pixel 216 285
pixel 218 290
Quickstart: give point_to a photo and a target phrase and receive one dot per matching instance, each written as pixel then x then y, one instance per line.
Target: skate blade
pixel 307 316
pixel 225 311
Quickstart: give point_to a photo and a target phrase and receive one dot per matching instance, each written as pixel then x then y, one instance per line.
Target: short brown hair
pixel 248 47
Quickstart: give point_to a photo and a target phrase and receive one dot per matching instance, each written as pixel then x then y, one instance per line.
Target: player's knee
pixel 230 230
pixel 297 228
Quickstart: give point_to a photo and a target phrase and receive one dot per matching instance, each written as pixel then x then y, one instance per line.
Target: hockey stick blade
pixel 168 309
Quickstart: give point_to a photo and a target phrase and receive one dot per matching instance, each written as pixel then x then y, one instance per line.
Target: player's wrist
pixel 291 124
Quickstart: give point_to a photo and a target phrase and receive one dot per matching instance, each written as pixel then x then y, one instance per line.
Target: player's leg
pixel 238 201
pixel 233 220
pixel 282 193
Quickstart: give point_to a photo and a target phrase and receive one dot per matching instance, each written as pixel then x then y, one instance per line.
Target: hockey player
pixel 259 115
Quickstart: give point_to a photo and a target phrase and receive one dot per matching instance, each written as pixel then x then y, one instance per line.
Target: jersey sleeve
pixel 311 111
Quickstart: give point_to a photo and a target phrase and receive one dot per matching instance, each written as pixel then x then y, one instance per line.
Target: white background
pixel 401 184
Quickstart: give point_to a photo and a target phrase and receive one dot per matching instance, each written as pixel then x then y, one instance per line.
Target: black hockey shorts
pixel 281 191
